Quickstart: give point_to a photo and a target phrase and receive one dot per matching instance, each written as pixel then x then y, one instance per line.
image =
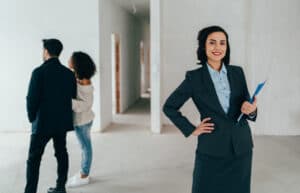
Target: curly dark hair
pixel 202 37
pixel 84 66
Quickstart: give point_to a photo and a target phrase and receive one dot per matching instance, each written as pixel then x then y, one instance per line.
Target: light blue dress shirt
pixel 222 86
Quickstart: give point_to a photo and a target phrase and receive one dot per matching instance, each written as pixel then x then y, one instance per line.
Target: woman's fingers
pixel 255 101
pixel 248 108
pixel 205 122
pixel 207 128
pixel 246 111
pixel 200 131
pixel 206 119
pixel 247 105
pixel 206 131
pixel 204 127
pixel 201 128
pixel 208 124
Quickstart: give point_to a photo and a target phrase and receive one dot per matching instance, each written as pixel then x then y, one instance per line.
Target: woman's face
pixel 70 64
pixel 216 46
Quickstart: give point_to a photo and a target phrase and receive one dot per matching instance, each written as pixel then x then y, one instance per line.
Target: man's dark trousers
pixel 38 143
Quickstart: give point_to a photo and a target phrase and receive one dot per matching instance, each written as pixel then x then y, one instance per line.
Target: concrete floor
pixel 128 158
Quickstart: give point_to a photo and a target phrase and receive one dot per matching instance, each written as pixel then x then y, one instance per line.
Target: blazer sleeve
pixel 74 86
pixel 33 95
pixel 175 101
pixel 253 115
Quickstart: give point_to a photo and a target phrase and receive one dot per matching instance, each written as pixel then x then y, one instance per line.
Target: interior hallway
pixel 132 160
pixel 136 114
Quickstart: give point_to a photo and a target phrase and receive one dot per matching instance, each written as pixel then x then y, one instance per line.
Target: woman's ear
pixel 70 64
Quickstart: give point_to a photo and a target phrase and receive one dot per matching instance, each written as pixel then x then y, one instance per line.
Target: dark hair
pixel 202 37
pixel 53 46
pixel 83 65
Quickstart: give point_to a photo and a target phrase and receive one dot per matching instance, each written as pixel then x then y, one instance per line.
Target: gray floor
pixel 128 158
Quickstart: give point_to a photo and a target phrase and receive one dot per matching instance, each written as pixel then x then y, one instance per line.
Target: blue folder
pixel 257 90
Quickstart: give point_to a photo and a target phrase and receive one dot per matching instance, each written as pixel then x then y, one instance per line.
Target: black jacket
pixel 227 132
pixel 49 99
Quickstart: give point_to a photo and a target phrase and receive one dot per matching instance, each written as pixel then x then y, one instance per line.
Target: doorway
pixel 115 45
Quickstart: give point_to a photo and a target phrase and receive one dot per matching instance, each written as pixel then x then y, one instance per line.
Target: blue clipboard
pixel 257 90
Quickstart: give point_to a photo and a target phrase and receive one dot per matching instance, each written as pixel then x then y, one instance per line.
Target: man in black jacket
pixel 49 108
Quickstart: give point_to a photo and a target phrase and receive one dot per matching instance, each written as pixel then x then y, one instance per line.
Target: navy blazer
pixel 49 99
pixel 228 134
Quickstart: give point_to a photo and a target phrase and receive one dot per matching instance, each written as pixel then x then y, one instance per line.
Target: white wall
pixel 264 39
pixel 275 44
pixel 23 25
pixel 114 19
pixel 156 69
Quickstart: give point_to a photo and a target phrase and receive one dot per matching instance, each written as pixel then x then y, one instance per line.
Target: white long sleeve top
pixel 82 105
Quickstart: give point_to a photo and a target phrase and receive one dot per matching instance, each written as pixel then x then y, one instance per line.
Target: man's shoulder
pixel 37 70
pixel 66 70
pixel 58 70
pixel 56 64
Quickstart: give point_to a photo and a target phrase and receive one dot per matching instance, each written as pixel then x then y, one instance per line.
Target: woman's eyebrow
pixel 213 40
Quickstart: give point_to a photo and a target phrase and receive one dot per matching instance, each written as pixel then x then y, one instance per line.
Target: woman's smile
pixel 216 53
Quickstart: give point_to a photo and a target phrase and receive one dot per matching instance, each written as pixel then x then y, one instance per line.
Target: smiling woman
pixel 213 46
pixel 219 91
pixel 216 47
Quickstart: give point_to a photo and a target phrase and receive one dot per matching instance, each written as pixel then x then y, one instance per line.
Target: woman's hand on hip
pixel 248 108
pixel 204 127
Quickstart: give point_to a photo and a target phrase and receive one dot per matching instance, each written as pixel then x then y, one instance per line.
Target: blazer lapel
pixel 207 80
pixel 232 90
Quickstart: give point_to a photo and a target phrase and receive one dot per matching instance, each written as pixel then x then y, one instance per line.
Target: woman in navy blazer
pixel 219 91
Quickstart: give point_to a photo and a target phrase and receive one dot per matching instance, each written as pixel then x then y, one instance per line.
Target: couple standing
pixel 59 101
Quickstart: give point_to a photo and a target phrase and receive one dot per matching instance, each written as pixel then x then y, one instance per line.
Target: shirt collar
pixel 213 71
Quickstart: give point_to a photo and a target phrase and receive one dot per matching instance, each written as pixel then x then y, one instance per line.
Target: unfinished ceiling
pixel 140 8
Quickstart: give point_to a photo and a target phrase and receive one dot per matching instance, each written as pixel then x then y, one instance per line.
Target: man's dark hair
pixel 202 37
pixel 83 65
pixel 53 46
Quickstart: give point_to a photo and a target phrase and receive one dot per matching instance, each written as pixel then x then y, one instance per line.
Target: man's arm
pixel 74 87
pixel 34 95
